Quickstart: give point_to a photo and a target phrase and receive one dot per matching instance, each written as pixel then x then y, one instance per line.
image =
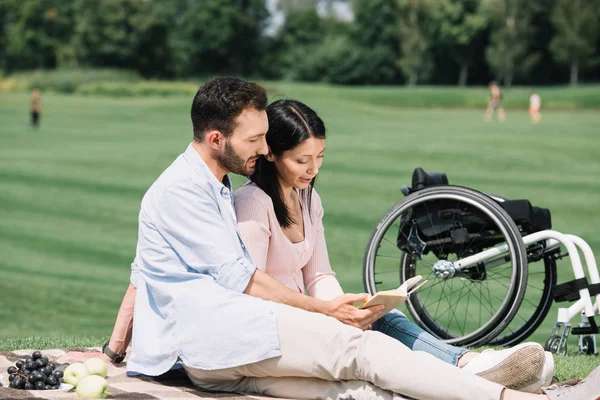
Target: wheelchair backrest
pixel 422 179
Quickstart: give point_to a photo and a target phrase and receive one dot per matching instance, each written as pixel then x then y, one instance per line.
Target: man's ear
pixel 214 139
pixel 269 156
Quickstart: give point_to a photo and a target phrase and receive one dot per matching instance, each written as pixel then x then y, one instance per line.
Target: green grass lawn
pixel 70 192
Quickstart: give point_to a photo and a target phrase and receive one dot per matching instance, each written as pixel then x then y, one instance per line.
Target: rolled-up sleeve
pixel 191 222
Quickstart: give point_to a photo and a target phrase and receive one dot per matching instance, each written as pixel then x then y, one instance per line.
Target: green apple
pixel 92 387
pixel 96 366
pixel 74 373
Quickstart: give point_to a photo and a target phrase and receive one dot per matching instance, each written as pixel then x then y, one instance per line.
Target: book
pixel 393 298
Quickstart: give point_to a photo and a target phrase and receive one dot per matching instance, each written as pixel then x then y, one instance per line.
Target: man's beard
pixel 233 162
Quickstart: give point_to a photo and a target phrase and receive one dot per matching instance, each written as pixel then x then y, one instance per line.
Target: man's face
pixel 246 144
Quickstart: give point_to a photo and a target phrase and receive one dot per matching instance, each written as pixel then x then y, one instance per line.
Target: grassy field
pixel 124 83
pixel 70 192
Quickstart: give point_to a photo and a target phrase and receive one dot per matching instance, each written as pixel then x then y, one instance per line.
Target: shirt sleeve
pixel 253 225
pixel 319 278
pixel 190 221
pixel 135 275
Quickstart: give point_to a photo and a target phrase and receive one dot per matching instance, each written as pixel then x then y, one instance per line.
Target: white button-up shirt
pixel 190 271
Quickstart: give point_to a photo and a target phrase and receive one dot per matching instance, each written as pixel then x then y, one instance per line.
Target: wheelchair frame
pixel 578 290
pixel 585 306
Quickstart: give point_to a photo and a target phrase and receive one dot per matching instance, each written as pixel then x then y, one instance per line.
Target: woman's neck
pixel 288 194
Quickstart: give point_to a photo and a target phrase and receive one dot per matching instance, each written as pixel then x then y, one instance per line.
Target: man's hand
pixel 342 308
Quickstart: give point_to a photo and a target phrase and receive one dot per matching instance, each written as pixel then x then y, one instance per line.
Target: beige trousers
pixel 325 359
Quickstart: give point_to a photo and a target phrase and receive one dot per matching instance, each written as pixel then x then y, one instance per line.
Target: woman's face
pixel 298 166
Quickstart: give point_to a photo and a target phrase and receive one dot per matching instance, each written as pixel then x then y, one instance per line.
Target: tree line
pixel 385 42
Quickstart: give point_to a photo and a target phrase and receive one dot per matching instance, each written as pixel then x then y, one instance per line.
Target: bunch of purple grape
pixel 34 373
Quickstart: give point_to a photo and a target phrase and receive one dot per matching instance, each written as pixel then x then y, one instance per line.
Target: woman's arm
pixel 121 334
pixel 319 278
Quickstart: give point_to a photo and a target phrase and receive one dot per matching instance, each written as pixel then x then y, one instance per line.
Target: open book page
pixel 393 298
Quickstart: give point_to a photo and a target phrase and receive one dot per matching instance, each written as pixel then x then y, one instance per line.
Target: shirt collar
pixel 199 166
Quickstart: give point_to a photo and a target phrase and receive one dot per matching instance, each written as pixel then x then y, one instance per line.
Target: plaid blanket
pixel 173 385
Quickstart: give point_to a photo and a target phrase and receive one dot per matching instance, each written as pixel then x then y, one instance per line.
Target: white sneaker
pixel 587 389
pixel 520 367
pixel 544 377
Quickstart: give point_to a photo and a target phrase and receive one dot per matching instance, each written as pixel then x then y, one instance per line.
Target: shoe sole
pixel 518 370
pixel 544 378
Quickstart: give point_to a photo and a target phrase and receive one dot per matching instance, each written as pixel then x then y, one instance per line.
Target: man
pixel 200 301
pixel 494 103
pixel 36 107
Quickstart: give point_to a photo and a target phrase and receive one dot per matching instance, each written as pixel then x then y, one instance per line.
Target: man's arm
pixel 341 308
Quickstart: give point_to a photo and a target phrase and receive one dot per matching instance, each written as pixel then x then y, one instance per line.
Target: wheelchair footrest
pixel 569 291
pixel 594 289
pixel 586 330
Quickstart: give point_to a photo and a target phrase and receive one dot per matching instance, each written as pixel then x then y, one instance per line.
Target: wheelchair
pixel 490 263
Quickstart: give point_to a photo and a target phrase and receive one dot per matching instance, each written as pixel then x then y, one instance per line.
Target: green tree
pixel 7 16
pixel 456 24
pixel 34 31
pixel 414 26
pixel 105 32
pixel 297 39
pixel 577 23
pixel 374 33
pixel 150 41
pixel 509 53
pixel 217 36
pixel 291 6
pixel 288 6
pixel 249 39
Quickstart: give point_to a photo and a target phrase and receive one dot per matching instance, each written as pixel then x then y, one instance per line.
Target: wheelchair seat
pixel 528 217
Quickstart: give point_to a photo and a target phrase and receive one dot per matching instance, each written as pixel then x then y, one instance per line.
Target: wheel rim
pixel 446 308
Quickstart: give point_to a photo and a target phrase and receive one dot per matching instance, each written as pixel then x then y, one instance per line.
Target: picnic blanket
pixel 173 385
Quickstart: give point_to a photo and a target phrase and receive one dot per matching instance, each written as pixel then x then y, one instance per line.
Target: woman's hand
pixel 342 308
pixel 81 356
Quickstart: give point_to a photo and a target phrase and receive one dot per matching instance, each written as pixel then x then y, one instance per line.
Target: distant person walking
pixel 535 103
pixel 494 103
pixel 36 107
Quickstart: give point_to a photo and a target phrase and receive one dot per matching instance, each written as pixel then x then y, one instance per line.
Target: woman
pixel 280 221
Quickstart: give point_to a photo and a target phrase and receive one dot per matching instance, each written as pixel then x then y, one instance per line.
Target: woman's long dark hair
pixel 290 123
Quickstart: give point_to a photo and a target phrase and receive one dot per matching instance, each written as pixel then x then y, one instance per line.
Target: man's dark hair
pixel 219 102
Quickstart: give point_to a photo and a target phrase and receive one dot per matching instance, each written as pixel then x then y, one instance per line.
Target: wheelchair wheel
pixel 536 303
pixel 448 223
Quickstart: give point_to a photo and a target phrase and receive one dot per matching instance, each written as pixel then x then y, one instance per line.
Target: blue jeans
pixel 396 325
